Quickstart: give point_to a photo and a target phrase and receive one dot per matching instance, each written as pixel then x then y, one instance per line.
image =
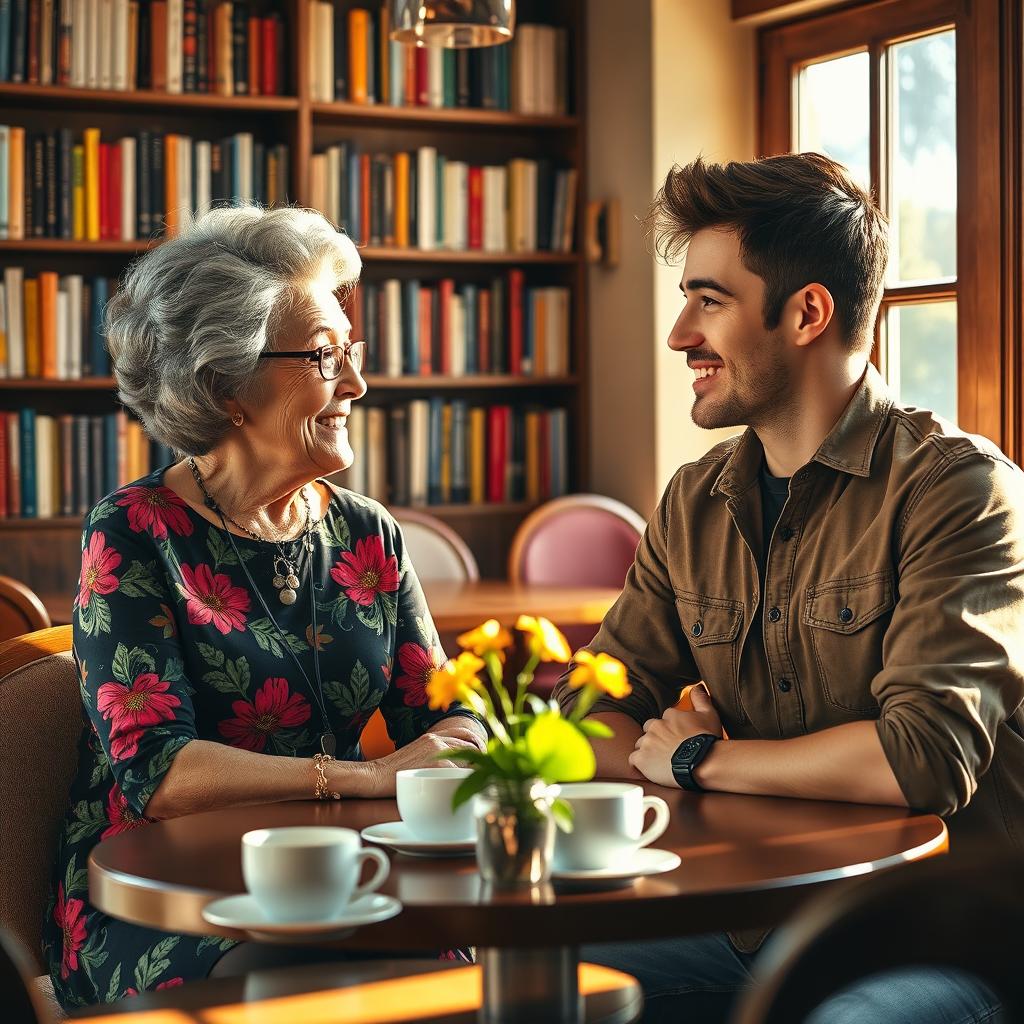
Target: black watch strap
pixel 688 755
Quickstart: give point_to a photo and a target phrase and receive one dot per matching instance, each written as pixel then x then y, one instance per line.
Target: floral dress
pixel 171 645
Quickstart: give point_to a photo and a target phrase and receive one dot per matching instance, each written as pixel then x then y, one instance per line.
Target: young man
pixel 846 576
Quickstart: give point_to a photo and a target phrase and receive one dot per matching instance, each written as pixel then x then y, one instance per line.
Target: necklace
pixel 286 579
pixel 328 742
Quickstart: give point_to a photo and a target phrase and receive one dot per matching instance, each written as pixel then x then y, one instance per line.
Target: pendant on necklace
pixel 328 744
pixel 287 596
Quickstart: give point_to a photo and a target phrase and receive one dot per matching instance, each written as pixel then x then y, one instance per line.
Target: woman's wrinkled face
pixel 300 416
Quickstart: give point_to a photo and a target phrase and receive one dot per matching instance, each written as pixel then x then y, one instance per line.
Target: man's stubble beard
pixel 750 404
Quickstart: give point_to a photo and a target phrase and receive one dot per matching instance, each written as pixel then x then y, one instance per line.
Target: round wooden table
pixel 747 862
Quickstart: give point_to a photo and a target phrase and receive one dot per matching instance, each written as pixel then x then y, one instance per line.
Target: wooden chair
pixel 41 721
pixel 21 1005
pixel 582 539
pixel 965 912
pixel 21 611
pixel 436 551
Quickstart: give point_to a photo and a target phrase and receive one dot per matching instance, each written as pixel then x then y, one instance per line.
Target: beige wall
pixel 668 80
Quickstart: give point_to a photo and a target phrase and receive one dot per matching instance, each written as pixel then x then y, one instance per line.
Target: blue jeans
pixel 697 979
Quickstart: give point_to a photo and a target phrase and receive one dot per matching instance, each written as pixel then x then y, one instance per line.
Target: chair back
pixel 21 611
pixel 583 539
pixel 436 551
pixel 16 998
pixel 41 721
pixel 965 913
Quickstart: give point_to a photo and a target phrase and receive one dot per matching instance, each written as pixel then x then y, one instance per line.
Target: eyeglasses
pixel 330 359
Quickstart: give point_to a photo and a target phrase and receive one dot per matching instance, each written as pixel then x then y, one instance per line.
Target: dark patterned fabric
pixel 172 644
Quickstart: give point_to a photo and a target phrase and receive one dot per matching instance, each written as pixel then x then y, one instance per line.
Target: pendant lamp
pixel 453 24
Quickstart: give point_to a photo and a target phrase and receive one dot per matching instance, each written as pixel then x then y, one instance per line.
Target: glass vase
pixel 515 832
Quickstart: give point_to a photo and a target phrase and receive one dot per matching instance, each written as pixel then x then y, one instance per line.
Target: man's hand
pixel 654 750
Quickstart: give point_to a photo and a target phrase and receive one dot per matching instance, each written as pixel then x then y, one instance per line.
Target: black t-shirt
pixel 774 492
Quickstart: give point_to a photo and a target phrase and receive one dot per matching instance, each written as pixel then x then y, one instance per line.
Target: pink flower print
pixel 120 814
pixel 130 709
pixel 366 572
pixel 67 915
pixel 212 598
pixel 155 509
pixel 98 565
pixel 273 708
pixel 417 663
pixel 170 983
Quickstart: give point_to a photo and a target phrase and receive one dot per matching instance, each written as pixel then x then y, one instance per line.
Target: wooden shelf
pixel 369 254
pixel 461 117
pixel 62 97
pixel 42 384
pixel 374 380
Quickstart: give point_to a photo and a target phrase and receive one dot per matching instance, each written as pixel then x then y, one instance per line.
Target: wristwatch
pixel 688 755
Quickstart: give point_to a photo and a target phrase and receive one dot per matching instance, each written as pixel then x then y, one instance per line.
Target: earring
pixel 238 419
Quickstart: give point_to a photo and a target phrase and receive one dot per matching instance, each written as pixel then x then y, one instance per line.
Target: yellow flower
pixel 601 670
pixel 545 639
pixel 452 680
pixel 485 639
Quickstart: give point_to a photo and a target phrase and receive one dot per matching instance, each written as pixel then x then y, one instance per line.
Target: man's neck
pixel 791 441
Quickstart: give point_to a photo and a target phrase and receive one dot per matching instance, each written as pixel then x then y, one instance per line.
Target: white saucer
pixel 396 836
pixel 645 862
pixel 244 913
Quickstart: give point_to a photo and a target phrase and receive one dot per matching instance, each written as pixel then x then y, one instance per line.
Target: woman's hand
pixel 450 734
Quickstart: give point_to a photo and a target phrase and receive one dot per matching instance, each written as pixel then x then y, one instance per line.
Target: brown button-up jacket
pixel 894 592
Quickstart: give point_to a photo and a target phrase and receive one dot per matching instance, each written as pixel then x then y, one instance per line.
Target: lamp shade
pixel 454 24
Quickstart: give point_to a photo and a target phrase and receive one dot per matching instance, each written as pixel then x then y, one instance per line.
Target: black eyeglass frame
pixel 317 356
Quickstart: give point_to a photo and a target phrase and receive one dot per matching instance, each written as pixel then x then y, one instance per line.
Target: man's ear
pixel 813 311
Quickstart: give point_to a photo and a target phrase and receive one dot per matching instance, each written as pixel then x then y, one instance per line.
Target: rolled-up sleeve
pixel 954 651
pixel 642 629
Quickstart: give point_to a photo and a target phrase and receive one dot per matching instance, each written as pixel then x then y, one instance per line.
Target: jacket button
pixel 786 533
pixel 845 615
pixel 774 615
pixel 784 685
pixel 697 628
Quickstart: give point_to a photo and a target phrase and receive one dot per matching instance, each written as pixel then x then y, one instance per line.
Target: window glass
pixel 921 355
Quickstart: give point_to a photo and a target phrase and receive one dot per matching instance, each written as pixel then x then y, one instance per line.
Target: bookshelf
pixel 45 551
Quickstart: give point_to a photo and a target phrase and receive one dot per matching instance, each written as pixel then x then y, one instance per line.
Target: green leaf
pixel 238 672
pixel 95 616
pixel 114 989
pixel 268 639
pixel 128 665
pixel 220 549
pixel 597 729
pixel 468 756
pixel 335 532
pixel 138 581
pixel 372 617
pixel 561 811
pixel 100 771
pixel 470 786
pixel 89 820
pixel 537 706
pixel 103 510
pixel 174 670
pixel 215 941
pixel 211 655
pixel 561 752
pixel 219 681
pixel 154 962
pixel 76 880
pixel 389 605
pixel 336 609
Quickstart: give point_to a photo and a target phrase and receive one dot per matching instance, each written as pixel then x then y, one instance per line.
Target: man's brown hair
pixel 800 218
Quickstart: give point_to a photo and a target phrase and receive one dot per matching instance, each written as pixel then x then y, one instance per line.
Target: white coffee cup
pixel 308 873
pixel 608 825
pixel 425 804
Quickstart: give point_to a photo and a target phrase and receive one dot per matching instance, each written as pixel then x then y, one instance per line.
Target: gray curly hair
pixel 191 317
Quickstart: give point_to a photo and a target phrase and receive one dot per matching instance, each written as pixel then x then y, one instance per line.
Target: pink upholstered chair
pixel 583 540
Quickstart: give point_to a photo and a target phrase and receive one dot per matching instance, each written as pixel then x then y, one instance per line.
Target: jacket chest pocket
pixel 712 625
pixel 848 619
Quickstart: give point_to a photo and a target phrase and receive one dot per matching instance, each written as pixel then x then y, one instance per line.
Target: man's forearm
pixel 845 762
pixel 613 754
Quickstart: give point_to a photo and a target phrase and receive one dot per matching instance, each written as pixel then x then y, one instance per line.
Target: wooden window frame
pixel 988 286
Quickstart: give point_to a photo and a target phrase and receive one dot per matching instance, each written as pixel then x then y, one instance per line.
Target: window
pixel 906 94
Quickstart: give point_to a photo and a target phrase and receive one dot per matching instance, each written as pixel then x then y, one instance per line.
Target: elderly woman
pixel 238 617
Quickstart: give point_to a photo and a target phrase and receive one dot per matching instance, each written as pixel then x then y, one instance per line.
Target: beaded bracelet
pixel 322 791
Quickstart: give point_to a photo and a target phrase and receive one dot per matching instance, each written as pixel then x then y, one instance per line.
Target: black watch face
pixel 689 747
